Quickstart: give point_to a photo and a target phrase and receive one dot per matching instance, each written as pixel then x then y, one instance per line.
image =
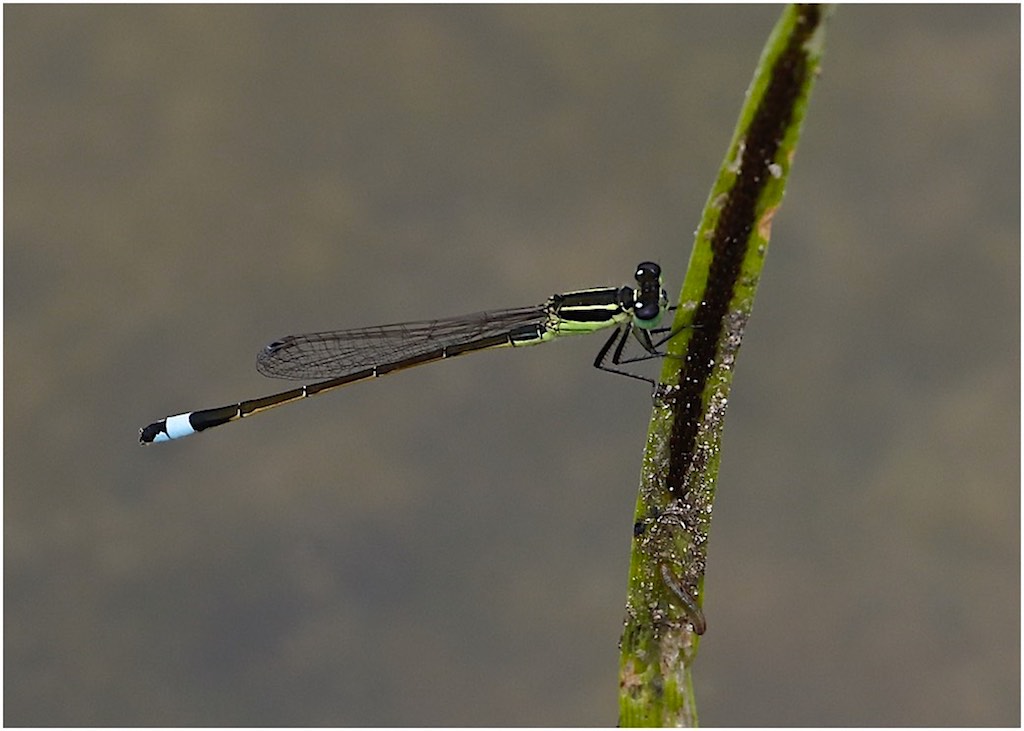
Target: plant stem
pixel 680 467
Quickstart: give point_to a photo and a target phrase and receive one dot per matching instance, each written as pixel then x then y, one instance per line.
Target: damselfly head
pixel 649 298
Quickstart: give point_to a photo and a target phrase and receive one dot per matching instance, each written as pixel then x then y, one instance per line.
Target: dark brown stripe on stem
pixel 731 238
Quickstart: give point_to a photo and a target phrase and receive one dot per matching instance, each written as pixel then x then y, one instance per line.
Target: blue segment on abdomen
pixel 177 427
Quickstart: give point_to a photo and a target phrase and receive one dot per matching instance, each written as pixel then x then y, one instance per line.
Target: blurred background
pixel 450 546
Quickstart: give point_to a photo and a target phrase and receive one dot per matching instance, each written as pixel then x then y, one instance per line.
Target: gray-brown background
pixel 450 546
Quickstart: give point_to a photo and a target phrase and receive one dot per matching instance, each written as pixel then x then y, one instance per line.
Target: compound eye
pixel 647 311
pixel 647 270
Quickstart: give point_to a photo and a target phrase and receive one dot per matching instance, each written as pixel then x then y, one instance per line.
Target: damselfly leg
pixel 616 345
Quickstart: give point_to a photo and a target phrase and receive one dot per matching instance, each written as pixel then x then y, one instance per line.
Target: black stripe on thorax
pixel 591 305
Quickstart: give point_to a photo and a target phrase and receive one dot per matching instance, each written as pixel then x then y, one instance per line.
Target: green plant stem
pixel 680 467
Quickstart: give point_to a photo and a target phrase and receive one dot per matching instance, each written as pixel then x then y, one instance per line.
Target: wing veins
pixel 337 353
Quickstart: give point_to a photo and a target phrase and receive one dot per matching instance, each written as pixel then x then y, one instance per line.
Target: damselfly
pixel 342 357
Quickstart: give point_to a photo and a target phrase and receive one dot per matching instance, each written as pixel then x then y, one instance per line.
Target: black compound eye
pixel 647 270
pixel 646 310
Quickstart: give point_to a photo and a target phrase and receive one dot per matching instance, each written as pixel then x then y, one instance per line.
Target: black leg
pixel 603 352
pixel 671 334
pixel 617 355
pixel 652 347
pixel 619 336
pixel 644 338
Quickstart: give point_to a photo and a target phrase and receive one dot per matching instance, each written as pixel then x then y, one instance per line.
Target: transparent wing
pixel 339 353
